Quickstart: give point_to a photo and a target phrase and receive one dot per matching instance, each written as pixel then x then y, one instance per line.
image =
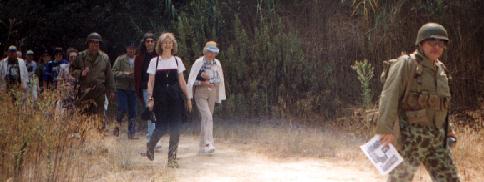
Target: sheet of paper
pixel 385 159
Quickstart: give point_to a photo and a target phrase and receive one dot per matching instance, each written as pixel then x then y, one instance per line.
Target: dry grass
pixel 339 141
pixel 286 140
pixel 38 143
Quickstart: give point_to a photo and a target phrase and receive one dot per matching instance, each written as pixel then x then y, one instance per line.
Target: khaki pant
pixel 205 99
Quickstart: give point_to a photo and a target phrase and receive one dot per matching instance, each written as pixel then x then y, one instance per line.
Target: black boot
pixel 116 131
pixel 150 152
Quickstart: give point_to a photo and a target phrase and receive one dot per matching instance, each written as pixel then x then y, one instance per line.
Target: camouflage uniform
pixel 97 83
pixel 416 93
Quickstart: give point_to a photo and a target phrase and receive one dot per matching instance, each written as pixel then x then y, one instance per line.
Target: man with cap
pixel 416 93
pixel 93 70
pixel 123 71
pixel 143 58
pixel 13 72
pixel 53 68
pixel 206 85
pixel 33 79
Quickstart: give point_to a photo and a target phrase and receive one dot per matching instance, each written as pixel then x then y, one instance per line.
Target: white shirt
pixel 131 62
pixel 165 64
pixel 193 76
pixel 24 77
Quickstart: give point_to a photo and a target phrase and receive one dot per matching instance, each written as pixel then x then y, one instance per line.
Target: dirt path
pixel 124 163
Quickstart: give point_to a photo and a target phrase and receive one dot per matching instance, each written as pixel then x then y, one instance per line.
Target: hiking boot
pixel 150 152
pixel 172 163
pixel 116 131
pixel 207 149
pixel 210 149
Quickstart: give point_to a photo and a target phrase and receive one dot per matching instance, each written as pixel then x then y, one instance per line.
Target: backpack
pixel 387 64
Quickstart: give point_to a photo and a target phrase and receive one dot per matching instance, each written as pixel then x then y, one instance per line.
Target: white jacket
pixel 24 75
pixel 193 76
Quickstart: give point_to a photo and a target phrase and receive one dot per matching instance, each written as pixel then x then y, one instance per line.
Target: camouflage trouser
pixel 424 145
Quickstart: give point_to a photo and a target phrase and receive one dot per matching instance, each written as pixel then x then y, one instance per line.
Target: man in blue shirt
pixel 52 69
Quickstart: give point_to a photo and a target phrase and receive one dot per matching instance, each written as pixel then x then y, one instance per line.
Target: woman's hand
pixel 208 84
pixel 205 75
pixel 189 105
pixel 151 103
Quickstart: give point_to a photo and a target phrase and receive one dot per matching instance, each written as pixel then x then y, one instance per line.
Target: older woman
pixel 166 92
pixel 206 85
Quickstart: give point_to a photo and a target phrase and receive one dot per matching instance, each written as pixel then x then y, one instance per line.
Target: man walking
pixel 416 92
pixel 123 71
pixel 93 70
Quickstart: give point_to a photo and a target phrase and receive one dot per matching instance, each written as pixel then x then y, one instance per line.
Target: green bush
pixel 364 70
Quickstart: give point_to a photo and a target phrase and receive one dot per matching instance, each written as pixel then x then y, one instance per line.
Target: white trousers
pixel 205 99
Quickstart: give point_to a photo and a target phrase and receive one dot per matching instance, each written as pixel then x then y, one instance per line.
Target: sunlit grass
pixel 38 143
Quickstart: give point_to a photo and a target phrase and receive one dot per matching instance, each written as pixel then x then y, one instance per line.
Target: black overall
pixel 168 108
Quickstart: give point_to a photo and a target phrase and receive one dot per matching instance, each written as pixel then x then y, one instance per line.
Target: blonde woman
pixel 206 86
pixel 167 91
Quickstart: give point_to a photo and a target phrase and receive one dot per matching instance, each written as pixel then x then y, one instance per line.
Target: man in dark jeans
pixel 123 71
pixel 143 58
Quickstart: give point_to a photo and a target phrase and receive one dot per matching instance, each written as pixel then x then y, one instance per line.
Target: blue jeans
pixel 127 104
pixel 151 125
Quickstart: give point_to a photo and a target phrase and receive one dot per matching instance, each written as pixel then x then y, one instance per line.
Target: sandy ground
pixel 123 162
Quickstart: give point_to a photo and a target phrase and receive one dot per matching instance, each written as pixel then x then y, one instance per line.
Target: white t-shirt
pixel 164 64
pixel 131 62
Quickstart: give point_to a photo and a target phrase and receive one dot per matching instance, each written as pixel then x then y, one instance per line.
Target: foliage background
pixel 280 57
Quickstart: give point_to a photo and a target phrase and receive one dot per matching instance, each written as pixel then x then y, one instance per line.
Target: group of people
pixel 33 77
pixel 153 73
pixel 415 97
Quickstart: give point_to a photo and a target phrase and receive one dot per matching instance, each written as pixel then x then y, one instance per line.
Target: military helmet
pixel 431 31
pixel 94 36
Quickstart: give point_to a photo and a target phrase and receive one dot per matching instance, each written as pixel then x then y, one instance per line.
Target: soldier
pixel 416 93
pixel 93 70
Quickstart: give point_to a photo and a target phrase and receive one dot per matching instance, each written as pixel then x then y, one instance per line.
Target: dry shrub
pixel 40 144
pixel 468 154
